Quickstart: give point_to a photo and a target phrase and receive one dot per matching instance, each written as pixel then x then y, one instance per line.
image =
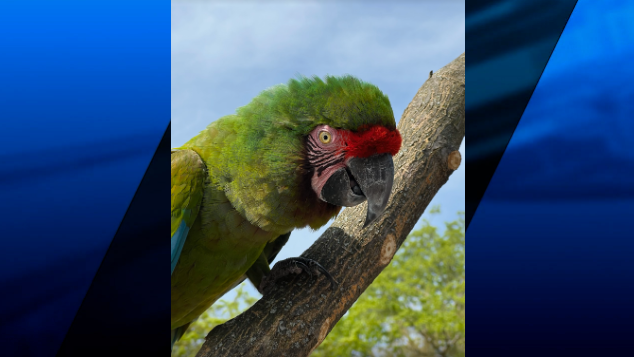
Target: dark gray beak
pixel 368 178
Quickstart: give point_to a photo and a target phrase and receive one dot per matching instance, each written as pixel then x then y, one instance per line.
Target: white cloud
pixel 223 54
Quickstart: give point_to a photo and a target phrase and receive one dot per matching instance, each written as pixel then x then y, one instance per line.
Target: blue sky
pixel 224 54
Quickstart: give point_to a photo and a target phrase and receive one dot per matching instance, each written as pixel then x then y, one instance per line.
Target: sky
pixel 225 53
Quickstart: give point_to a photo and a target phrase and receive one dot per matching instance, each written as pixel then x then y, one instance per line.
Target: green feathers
pixel 340 102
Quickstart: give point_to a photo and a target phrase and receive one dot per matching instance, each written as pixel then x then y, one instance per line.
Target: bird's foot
pixel 290 266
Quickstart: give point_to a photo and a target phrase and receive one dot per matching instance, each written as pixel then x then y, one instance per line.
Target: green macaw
pixel 290 158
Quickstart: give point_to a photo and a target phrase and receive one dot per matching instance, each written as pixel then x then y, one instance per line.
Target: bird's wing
pixel 188 177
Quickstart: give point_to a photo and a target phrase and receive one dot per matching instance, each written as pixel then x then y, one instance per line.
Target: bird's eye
pixel 325 137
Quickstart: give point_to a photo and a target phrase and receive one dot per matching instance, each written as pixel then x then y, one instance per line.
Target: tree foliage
pixel 221 311
pixel 416 307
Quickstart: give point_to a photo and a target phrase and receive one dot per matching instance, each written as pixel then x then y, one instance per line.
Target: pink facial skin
pixel 325 158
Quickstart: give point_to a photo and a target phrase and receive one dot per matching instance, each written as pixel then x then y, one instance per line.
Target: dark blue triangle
pixel 126 310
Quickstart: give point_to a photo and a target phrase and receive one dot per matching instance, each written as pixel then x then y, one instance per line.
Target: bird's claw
pixel 290 266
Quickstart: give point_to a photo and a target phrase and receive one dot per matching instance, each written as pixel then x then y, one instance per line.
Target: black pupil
pixel 325 137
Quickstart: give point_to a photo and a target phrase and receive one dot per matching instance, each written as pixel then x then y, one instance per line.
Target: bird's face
pixel 351 167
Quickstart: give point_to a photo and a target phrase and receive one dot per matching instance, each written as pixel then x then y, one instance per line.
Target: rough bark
pixel 294 318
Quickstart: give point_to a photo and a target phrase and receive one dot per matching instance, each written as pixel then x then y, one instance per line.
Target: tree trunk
pixel 296 316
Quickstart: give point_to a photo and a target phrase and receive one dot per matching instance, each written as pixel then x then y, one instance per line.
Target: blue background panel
pixel 85 100
pixel 508 43
pixel 550 246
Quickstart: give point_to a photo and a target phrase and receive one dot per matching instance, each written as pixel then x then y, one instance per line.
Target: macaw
pixel 289 159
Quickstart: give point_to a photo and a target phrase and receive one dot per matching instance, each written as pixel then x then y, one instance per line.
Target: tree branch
pixel 296 316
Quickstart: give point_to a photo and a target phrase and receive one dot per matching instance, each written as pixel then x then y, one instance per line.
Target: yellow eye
pixel 325 137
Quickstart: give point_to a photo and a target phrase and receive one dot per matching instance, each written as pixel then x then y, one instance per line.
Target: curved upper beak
pixel 368 178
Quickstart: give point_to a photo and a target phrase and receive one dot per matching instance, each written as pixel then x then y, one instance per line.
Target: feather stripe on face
pixel 370 141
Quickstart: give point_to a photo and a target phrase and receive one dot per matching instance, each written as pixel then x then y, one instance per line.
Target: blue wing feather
pixel 178 240
pixel 188 175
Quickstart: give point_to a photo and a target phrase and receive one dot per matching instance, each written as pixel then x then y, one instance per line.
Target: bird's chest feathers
pixel 267 203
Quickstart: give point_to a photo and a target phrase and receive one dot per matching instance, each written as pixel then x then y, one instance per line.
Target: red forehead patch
pixel 371 140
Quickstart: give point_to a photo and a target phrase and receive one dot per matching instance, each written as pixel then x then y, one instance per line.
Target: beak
pixel 368 178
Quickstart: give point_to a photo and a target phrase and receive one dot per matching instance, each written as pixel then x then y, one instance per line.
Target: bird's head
pixel 350 137
pixel 350 167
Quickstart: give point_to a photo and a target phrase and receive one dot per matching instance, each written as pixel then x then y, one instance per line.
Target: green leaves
pixel 218 313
